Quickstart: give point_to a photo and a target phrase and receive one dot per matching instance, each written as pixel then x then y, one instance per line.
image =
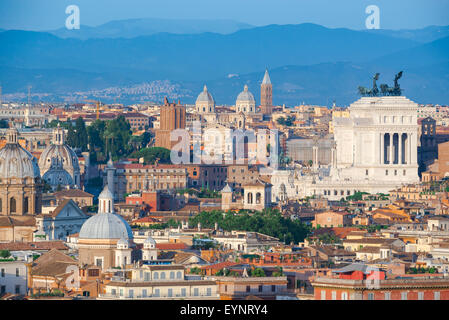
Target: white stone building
pixel 375 151
pixel 156 282
pixel 13 277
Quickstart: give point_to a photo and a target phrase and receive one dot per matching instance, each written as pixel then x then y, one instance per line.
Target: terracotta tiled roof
pixel 17 222
pixel 220 265
pixel 75 193
pixel 52 263
pixel 39 245
pixel 149 166
pixel 171 246
pixel 145 219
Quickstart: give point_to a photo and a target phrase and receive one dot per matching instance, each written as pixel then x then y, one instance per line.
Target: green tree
pixel 257 272
pixel 81 133
pixel 151 154
pixel 5 254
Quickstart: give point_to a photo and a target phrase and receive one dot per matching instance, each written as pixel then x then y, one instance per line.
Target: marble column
pixel 382 151
pixel 409 151
pixel 391 149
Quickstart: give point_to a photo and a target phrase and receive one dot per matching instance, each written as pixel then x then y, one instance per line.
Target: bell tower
pixel 266 95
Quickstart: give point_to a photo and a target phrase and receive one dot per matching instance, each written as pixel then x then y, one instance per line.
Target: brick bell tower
pixel 266 95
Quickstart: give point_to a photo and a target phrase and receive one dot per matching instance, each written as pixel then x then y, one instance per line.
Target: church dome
pixel 58 176
pixel 245 96
pixel 106 194
pixel 60 152
pixel 106 226
pixel 149 243
pixel 205 97
pixel 15 161
pixel 63 153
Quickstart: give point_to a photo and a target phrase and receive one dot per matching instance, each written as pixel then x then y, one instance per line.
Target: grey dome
pixel 149 243
pixel 245 95
pixel 205 96
pixel 58 176
pixel 15 161
pixel 106 226
pixel 61 152
pixel 106 194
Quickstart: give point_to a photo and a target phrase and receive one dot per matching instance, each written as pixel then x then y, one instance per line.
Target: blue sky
pixel 394 14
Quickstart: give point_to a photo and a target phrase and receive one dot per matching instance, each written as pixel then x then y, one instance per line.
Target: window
pixel 334 295
pixel 260 288
pixel 179 275
pixel 146 276
pixel 172 274
pixel 170 292
pixel 273 288
pixel 17 272
pixel 436 295
pixel 113 292
pixel 366 172
pixel 17 289
pixel 386 172
pixel 344 296
pixel 121 292
pixel 162 275
pixel 195 292
pixel 404 172
pixel 370 296
pixel 99 262
pixel 131 293
pixel 420 295
pixel 403 295
pixel 3 273
pixel 248 289
pixel 323 295
pixel 156 276
pixel 183 292
pixel 12 205
pixel 208 291
pixel 157 292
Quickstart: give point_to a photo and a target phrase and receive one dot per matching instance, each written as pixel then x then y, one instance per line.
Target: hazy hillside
pixel 132 28
pixel 198 56
pixel 307 63
pixel 428 34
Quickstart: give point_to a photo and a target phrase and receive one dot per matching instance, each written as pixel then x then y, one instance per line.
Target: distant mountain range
pixel 307 62
pixel 132 28
pixel 427 34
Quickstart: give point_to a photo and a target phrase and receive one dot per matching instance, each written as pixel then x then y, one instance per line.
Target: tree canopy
pixel 269 222
pixel 151 154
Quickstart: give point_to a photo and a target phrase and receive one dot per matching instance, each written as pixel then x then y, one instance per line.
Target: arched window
pixel 12 205
pixel 162 275
pixel 1 205
pixel 25 205
pixel 156 276
pixel 172 274
pixel 258 197
pixel 250 198
pixel 179 275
